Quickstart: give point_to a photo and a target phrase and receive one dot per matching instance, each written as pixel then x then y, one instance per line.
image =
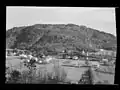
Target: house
pixel 83 52
pixel 48 59
pixel 94 63
pixel 105 52
pixel 101 49
pixel 75 57
pixel 30 56
pixel 40 61
pixel 23 56
pixel 105 60
pixel 68 57
pixel 9 52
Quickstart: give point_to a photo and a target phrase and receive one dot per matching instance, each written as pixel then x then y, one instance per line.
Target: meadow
pixel 57 71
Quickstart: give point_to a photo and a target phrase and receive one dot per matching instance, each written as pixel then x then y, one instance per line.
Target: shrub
pixel 14 76
pixel 86 78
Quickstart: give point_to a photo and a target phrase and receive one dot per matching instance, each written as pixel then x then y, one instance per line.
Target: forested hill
pixel 56 37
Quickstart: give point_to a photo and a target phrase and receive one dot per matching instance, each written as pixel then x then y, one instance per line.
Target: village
pixel 81 62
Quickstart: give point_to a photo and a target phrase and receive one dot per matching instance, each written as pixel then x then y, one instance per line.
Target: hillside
pixel 56 37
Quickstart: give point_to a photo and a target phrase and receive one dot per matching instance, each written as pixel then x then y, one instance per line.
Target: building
pixel 15 52
pixel 83 52
pixel 105 60
pixel 68 57
pixel 9 52
pixel 105 52
pixel 101 49
pixel 75 57
pixel 48 59
pixel 94 64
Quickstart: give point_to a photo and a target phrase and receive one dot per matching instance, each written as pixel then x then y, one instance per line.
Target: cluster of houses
pixel 94 61
pixel 106 52
pixel 27 55
pixel 16 52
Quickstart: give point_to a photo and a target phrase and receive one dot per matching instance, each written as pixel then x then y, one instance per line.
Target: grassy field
pixel 15 63
pixel 101 77
pixel 73 73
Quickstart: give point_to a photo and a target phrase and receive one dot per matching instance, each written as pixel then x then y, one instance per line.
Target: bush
pixel 14 76
pixel 86 78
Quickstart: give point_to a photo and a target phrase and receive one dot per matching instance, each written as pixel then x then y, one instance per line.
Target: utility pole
pixel 58 63
pixel 79 62
pixel 87 56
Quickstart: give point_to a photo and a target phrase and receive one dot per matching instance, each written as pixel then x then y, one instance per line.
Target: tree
pixel 86 78
pixel 22 45
pixel 10 41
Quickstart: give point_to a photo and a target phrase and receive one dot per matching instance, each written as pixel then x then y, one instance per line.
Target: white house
pixel 48 59
pixel 101 49
pixel 83 52
pixel 23 56
pixel 75 57
pixel 105 60
pixel 30 56
pixel 93 63
pixel 14 53
pixel 40 61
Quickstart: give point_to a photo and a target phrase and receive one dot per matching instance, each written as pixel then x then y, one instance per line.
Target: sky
pixel 102 19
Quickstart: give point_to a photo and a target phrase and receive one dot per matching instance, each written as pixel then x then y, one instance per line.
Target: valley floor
pixel 74 73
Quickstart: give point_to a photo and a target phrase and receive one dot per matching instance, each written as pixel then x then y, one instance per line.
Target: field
pixel 101 77
pixel 15 63
pixel 74 73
